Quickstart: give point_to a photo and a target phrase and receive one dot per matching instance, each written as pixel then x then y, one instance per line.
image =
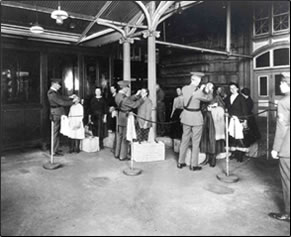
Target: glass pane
pixel 281 8
pixel 281 57
pixel 64 67
pixel 262 27
pixel 263 85
pixel 261 11
pixel 263 60
pixel 281 22
pixel 278 78
pixel 20 77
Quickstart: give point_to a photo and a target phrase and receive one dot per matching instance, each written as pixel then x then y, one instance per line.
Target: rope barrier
pixel 226 114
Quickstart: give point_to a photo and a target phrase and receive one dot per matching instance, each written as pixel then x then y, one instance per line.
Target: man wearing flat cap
pixel 192 119
pixel 281 147
pixel 125 104
pixel 57 103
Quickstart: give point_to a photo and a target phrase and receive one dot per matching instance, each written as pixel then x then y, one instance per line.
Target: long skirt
pixel 142 134
pixel 252 133
pixel 176 128
pixel 99 128
pixel 208 144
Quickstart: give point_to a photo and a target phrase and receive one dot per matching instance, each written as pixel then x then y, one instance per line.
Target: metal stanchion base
pixel 132 171
pixel 52 166
pixel 227 179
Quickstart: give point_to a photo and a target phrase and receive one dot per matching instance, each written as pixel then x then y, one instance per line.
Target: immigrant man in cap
pixel 125 104
pixel 192 119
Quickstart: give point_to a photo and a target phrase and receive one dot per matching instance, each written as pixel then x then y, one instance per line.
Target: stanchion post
pixel 227 144
pixel 51 165
pixel 52 142
pixel 225 176
pixel 131 171
pixel 268 129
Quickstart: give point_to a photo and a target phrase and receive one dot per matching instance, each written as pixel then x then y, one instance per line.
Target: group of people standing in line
pixel 201 110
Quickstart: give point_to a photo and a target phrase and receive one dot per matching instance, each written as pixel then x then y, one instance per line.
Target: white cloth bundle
pixel 76 126
pixel 236 128
pixel 219 124
pixel 130 131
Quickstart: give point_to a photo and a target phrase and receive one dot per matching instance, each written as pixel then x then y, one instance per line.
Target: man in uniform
pixel 192 119
pixel 125 104
pixel 57 103
pixel 281 147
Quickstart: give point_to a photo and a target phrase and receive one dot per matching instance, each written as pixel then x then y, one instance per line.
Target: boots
pixel 212 161
pixel 71 145
pixel 240 156
pixel 205 162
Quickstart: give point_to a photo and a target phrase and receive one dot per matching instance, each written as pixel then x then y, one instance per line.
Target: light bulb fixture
pixel 36 28
pixel 59 15
pixel 180 10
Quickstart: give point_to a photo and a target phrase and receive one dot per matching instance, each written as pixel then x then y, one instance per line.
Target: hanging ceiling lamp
pixel 36 28
pixel 59 15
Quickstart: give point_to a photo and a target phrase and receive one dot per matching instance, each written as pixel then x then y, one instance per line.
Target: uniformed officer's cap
pixel 123 84
pixel 197 74
pixel 286 77
pixel 56 80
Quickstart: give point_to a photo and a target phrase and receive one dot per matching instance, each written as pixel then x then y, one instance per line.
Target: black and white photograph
pixel 145 118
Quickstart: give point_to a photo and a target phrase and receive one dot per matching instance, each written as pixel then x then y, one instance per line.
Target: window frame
pixel 276 32
pixel 271 55
pixel 259 87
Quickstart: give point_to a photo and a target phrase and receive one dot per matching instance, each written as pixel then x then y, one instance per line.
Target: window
pixel 64 67
pixel 20 77
pixel 263 60
pixel 281 16
pixel 274 17
pixel 261 19
pixel 281 57
pixel 263 86
pixel 278 78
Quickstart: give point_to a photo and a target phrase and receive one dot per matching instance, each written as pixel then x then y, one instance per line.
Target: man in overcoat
pixel 192 120
pixel 125 104
pixel 57 103
pixel 281 147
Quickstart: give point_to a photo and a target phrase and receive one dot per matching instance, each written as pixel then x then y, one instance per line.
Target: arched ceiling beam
pixel 102 10
pixel 122 32
pixel 146 12
pixel 159 13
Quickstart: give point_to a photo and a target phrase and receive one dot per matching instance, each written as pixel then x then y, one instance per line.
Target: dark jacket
pixel 126 104
pixel 57 103
pixel 238 107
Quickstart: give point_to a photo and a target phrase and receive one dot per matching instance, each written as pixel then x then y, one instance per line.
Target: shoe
pixel 181 165
pixel 124 159
pixel 58 154
pixel 195 168
pixel 280 217
pixel 206 161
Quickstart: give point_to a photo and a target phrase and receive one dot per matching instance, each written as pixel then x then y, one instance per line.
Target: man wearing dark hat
pixel 192 119
pixel 281 147
pixel 125 104
pixel 57 103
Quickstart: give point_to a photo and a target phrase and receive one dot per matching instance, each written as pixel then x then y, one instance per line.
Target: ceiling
pixel 81 27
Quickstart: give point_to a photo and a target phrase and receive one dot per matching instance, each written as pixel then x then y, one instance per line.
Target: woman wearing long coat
pixel 213 135
pixel 98 116
pixel 238 111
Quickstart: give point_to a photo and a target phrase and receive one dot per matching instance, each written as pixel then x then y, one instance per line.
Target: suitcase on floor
pixel 90 144
pixel 148 151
